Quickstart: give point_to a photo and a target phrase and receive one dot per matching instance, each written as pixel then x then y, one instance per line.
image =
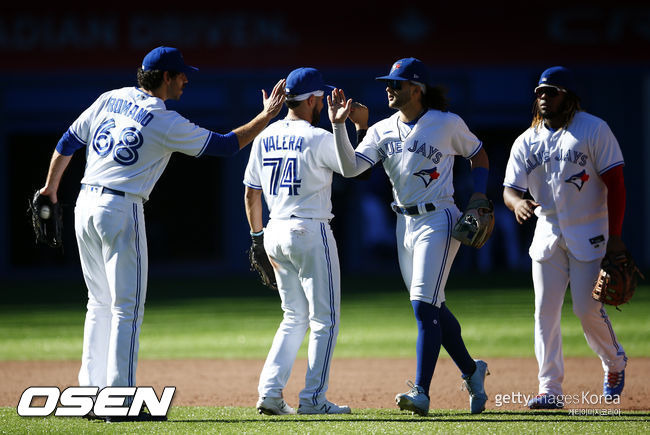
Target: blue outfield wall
pixel 195 218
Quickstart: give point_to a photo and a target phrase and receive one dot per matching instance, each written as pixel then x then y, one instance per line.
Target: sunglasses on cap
pixel 550 91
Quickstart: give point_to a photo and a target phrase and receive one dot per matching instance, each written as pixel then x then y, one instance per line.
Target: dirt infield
pixel 370 383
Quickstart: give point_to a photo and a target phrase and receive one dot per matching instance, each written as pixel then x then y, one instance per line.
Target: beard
pixel 561 111
pixel 315 117
pixel 547 114
pixel 399 100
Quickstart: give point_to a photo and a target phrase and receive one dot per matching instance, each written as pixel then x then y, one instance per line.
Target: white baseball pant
pixel 550 280
pixel 112 244
pixel 426 252
pixel 307 271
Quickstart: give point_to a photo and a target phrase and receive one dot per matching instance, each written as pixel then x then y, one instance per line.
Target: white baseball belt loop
pixel 422 208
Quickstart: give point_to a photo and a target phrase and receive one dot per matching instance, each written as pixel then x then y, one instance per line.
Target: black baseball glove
pixel 260 262
pixel 47 220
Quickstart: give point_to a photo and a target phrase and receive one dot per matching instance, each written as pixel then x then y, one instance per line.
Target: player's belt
pixel 414 209
pixel 103 189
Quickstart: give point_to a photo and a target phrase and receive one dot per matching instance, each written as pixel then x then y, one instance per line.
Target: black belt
pixel 106 190
pixel 412 210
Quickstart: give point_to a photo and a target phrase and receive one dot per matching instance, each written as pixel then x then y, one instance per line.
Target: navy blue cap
pixel 408 68
pixel 304 81
pixel 559 77
pixel 166 59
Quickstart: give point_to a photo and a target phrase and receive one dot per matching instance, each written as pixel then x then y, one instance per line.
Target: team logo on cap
pixel 428 175
pixel 579 179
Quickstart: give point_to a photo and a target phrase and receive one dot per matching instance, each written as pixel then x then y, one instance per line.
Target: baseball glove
pixel 260 262
pixel 47 220
pixel 476 224
pixel 617 279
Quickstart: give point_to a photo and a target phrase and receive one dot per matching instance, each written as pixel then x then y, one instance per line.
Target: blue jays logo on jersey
pixel 428 175
pixel 579 179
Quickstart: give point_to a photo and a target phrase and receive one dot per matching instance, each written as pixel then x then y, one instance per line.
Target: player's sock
pixel 453 342
pixel 428 342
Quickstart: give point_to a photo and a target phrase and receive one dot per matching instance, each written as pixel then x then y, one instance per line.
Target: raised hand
pixel 273 103
pixel 338 107
pixel 359 115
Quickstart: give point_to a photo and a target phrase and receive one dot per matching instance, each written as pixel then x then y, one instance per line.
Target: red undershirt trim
pixel 615 183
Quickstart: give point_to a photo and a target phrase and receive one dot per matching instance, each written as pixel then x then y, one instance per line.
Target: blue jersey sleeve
pixel 221 145
pixel 69 143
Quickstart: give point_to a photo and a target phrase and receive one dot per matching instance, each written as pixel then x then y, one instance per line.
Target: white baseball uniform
pixel 419 162
pixel 129 138
pixel 561 169
pixel 292 162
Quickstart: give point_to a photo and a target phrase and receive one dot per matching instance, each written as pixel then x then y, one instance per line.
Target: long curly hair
pixel 435 98
pixel 570 107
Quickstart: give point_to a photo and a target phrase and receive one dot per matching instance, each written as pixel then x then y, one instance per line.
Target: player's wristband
pixel 361 134
pixel 480 177
pixel 257 234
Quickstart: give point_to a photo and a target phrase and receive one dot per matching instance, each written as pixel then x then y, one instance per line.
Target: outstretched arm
pixel 272 106
pixel 339 110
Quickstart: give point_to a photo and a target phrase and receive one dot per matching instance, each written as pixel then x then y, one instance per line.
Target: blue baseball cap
pixel 166 59
pixel 408 68
pixel 557 77
pixel 303 82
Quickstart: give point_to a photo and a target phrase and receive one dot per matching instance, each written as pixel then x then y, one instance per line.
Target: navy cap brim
pixel 389 77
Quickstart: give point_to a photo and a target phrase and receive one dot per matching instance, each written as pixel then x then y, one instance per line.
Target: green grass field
pixel 193 319
pixel 202 420
pixel 376 321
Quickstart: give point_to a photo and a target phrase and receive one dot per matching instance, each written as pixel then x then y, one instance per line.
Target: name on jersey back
pixel 282 143
pixel 130 110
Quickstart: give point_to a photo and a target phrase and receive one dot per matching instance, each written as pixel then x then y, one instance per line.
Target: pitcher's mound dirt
pixel 367 383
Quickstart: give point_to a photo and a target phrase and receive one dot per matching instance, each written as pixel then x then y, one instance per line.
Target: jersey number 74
pixel 284 174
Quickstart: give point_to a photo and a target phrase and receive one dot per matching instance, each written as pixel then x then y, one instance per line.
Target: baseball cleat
pixel 324 408
pixel 274 406
pixel 613 385
pixel 474 384
pixel 546 401
pixel 414 400
pixel 143 416
pixel 92 416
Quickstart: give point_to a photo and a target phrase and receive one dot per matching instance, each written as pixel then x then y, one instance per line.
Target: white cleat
pixel 274 406
pixel 324 408
pixel 414 400
pixel 475 385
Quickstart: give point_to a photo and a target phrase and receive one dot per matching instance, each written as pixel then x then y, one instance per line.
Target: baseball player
pixel 417 146
pixel 129 136
pixel 291 164
pixel 572 166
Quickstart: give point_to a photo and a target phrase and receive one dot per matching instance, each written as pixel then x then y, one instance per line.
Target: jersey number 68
pixel 124 151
